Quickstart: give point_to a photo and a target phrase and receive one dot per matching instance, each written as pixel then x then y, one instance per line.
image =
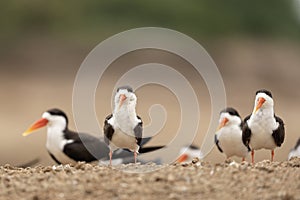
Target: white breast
pixel 55 144
pixel 262 127
pixel 230 140
pixel 123 140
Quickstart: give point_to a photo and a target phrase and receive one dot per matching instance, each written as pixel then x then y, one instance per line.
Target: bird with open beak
pixel 228 137
pixel 123 128
pixel 263 129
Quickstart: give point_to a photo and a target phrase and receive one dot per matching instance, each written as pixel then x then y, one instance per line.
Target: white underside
pixel 55 144
pixel 124 141
pixel 262 129
pixel 230 141
pixel 124 123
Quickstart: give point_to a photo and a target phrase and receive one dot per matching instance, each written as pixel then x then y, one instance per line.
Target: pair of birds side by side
pixel 122 130
pixel 260 130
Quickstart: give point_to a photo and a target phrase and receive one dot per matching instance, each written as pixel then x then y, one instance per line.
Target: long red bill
pixel 36 125
pixel 122 99
pixel 182 158
pixel 223 123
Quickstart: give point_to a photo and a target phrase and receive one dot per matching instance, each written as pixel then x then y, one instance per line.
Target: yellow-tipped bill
pixel 261 101
pixel 223 123
pixel 38 124
pixel 122 99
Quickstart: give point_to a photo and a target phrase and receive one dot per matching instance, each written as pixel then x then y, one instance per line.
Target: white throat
pixel 55 138
pixel 264 117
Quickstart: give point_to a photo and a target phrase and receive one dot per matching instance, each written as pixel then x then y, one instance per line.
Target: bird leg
pixel 243 159
pixel 272 155
pixel 135 156
pixel 110 157
pixel 252 156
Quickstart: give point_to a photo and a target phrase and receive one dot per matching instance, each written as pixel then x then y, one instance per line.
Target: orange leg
pixel 252 156
pixel 135 156
pixel 243 159
pixel 110 157
pixel 272 155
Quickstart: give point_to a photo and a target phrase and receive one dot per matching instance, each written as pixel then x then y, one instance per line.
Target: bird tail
pixel 149 149
pixel 145 140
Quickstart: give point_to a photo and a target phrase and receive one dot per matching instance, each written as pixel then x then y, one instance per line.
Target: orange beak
pixel 261 101
pixel 223 123
pixel 182 158
pixel 38 124
pixel 122 99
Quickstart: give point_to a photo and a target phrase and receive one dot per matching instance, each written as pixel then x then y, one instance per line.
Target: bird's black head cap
pixel 126 87
pixel 194 147
pixel 231 111
pixel 267 92
pixel 58 112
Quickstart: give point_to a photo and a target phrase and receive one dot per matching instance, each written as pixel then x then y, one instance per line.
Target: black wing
pixel 279 133
pixel 108 130
pixel 217 143
pixel 138 131
pixel 149 149
pixel 124 153
pixel 246 135
pixel 53 157
pixel 297 144
pixel 85 147
pixel 145 140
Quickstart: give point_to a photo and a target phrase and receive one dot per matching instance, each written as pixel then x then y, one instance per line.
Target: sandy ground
pixel 39 74
pixel 195 180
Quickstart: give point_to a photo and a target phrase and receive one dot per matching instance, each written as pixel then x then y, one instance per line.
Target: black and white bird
pixel 263 129
pixel 66 146
pixel 123 128
pixel 295 152
pixel 188 153
pixel 228 137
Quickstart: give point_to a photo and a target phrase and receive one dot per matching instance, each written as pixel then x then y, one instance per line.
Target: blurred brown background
pixel 255 45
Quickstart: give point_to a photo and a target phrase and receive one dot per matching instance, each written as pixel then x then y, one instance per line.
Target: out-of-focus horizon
pixel 254 44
